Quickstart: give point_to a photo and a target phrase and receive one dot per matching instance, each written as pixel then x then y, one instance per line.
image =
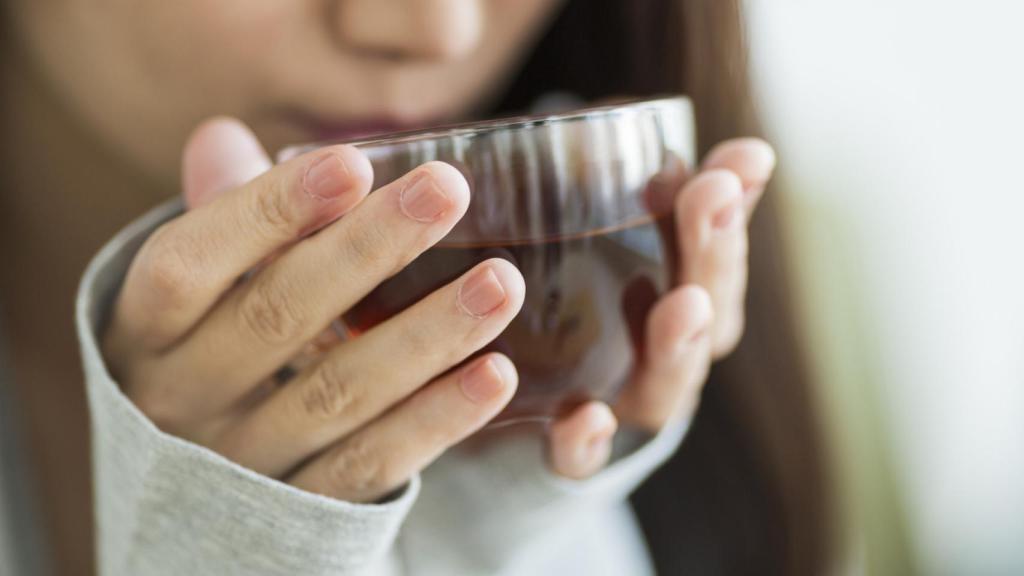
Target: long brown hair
pixel 749 491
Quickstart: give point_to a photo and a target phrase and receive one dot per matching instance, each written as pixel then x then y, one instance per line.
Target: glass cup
pixel 581 203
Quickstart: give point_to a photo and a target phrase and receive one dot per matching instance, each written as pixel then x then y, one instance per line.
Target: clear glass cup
pixel 581 203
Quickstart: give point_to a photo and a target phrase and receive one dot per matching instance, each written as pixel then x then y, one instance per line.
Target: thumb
pixel 221 154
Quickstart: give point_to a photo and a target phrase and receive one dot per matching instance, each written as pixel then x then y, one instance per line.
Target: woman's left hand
pixel 693 325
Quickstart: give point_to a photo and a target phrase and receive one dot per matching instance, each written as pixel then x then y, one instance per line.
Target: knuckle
pixel 688 207
pixel 725 265
pixel 369 247
pixel 169 266
pixel 360 469
pixel 438 426
pixel 418 345
pixel 273 216
pixel 269 314
pixel 330 394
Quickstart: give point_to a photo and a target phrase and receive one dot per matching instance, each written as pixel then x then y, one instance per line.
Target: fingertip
pixel 696 302
pixel 507 369
pixel 752 159
pixel 452 181
pixel 220 124
pixel 353 175
pixel 763 157
pixel 680 318
pixel 717 185
pixel 511 280
pixel 698 312
pixel 720 183
pixel 581 441
pixel 587 420
pixel 489 381
pixel 599 418
pixel 358 164
pixel 713 194
pixel 221 153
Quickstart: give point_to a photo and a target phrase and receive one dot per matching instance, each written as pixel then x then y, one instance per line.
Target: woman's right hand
pixel 194 348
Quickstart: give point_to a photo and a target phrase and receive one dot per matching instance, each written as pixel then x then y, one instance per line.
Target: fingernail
pixel 481 294
pixel 725 217
pixel 482 382
pixel 326 178
pixel 423 200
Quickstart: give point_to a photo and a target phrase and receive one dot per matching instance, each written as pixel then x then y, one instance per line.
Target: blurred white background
pixel 900 125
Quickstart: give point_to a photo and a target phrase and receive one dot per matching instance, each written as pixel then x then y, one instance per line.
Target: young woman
pixel 198 468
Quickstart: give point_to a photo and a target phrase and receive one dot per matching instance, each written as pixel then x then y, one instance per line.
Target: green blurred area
pixel 838 333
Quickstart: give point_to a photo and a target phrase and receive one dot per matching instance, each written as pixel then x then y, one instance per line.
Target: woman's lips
pixel 318 128
pixel 313 131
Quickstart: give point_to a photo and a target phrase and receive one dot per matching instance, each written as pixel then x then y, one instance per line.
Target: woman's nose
pixel 428 29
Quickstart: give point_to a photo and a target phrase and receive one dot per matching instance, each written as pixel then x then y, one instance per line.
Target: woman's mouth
pixel 319 129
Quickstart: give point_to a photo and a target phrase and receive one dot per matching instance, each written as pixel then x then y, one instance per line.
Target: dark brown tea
pixel 587 296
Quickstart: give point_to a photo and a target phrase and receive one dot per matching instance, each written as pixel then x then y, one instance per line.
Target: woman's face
pixel 142 73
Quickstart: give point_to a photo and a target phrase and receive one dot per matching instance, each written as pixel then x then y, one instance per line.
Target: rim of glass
pixel 514 123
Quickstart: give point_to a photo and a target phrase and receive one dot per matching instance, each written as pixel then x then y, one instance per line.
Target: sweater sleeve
pixel 167 506
pixel 499 508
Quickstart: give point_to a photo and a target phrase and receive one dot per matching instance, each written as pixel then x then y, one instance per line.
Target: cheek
pixel 141 73
pixel 229 47
pixel 188 60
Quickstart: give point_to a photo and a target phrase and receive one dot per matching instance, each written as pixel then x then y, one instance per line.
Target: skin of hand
pixel 194 348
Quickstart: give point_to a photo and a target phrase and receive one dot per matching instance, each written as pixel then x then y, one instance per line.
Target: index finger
pixel 188 263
